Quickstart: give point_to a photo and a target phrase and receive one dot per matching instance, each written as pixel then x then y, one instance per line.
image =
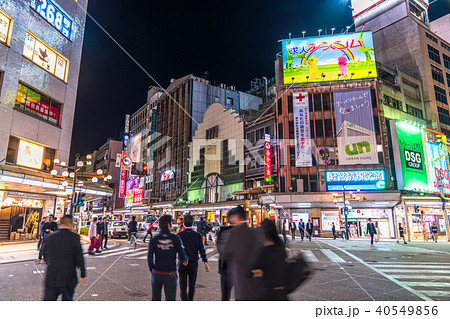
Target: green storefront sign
pixel 412 158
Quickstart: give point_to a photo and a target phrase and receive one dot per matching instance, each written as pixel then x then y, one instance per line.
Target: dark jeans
pixel 371 238
pixel 302 234
pixel 334 235
pixel 170 286
pixel 148 233
pixel 41 249
pixel 105 239
pixel 188 272
pixel 225 286
pixel 293 234
pixel 52 293
pixel 309 235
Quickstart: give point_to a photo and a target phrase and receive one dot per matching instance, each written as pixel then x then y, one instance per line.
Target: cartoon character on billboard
pixel 313 69
pixel 343 68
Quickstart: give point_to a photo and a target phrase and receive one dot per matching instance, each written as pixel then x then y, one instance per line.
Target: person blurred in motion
pixel 92 234
pixel 333 230
pixel 309 229
pixel 225 279
pixel 105 233
pixel 269 264
pixel 49 227
pixel 401 231
pixel 193 246
pixel 99 239
pixel 293 228
pixel 149 231
pixel 162 260
pixel 132 228
pixel 241 244
pixel 424 232
pixel 63 255
pixel 41 232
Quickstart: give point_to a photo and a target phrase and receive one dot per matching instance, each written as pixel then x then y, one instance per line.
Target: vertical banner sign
pixel 355 127
pixel 267 158
pixel 126 134
pixel 303 155
pixel 410 165
pixel 123 179
pixel 436 153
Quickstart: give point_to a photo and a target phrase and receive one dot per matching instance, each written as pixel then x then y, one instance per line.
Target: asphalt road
pixel 342 271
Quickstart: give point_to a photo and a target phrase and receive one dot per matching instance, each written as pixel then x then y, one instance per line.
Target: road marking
pixel 11 275
pixel 134 265
pixel 214 258
pixel 429 277
pixel 436 293
pixel 437 271
pixel 413 266
pixel 309 256
pixel 137 252
pixel 38 272
pixel 113 253
pixel 209 250
pixel 428 284
pixel 333 256
pixel 91 268
pixel 94 295
pixel 391 278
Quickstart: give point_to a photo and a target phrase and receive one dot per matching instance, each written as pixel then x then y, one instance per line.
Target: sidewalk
pixel 12 252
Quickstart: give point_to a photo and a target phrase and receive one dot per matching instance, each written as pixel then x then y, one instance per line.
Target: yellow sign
pixel 210 216
pixel 30 155
pixel 5 27
pixel 21 202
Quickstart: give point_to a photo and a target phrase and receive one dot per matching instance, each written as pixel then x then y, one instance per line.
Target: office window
pixel 434 54
pixel 6 23
pixel 291 130
pixel 290 100
pixel 280 131
pixel 317 102
pixel 429 36
pixel 448 79
pixel 45 57
pixel 230 101
pixel 437 75
pixel 441 94
pixel 326 101
pixel 445 46
pixel 446 61
pixel 39 105
pixel 319 128
pixel 414 111
pixel 279 107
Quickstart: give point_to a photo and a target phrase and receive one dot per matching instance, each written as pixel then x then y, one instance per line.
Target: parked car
pixel 118 229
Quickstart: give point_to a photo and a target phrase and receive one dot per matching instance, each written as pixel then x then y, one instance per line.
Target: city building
pixel 40 54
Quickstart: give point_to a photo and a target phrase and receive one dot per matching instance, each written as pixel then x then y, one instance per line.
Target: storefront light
pixel 65 183
pixel 63 164
pixel 65 174
pixel 72 175
pixel 53 172
pixel 56 161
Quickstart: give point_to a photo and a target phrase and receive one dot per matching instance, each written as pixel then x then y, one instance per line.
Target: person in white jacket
pixel 377 235
pixel 93 236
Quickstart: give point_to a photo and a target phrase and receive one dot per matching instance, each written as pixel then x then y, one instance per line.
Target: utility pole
pixel 444 209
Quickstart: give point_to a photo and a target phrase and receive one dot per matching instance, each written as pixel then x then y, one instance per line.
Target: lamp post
pixel 346 207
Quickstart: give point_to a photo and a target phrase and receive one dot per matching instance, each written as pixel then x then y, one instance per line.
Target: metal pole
pixel 73 186
pixel 346 223
pixel 444 211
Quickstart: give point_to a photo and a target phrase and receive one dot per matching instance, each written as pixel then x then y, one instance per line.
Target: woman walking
pixel 401 231
pixel 269 264
pixel 378 232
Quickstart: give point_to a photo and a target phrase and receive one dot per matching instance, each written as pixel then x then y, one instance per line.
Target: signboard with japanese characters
pixel 302 131
pixel 267 158
pixel 55 15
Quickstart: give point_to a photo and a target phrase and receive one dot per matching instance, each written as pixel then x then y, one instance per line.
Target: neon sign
pixel 267 158
pixel 369 180
pixel 54 15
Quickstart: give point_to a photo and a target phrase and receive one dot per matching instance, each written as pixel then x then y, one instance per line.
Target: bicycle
pixel 133 242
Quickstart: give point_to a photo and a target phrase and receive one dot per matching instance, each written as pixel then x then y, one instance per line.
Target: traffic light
pixel 268 208
pixel 346 211
pixel 80 201
pixel 416 209
pixel 144 169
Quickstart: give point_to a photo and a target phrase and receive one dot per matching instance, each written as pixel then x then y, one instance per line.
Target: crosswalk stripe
pixel 115 252
pixel 435 293
pixel 332 256
pixel 309 256
pixel 214 258
pixel 413 266
pixel 428 284
pixel 429 277
pixel 137 252
pixel 437 271
pixel 208 250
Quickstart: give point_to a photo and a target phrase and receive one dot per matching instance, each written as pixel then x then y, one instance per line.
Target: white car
pixel 118 229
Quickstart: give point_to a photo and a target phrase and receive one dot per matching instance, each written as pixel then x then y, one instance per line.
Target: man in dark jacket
pixel 63 255
pixel 309 229
pixel 241 244
pixel 100 227
pixel 41 232
pixel 293 228
pixel 333 230
pixel 371 230
pixel 193 245
pixel 105 233
pixel 201 229
pixel 225 280
pixel 162 260
pixel 49 227
pixel 132 227
pixel 301 228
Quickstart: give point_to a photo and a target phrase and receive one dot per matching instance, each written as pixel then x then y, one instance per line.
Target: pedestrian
pixel 309 229
pixel 132 228
pixel 193 246
pixel 225 280
pixel 48 228
pixel 100 227
pixel 301 228
pixel 269 264
pixel 162 257
pixel 434 232
pixel 377 232
pixel 210 231
pixel 401 232
pixel 284 232
pixel 63 255
pixel 424 232
pixel 41 232
pixel 242 242
pixel 293 228
pixel 104 233
pixel 201 228
pixel 92 234
pixel 333 230
pixel 371 231
pixel 149 231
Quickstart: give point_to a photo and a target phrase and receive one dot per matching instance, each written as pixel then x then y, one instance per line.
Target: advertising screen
pixel 30 155
pixel 53 14
pixel 370 180
pixel 267 158
pixel 361 6
pixel 436 155
pixel 355 126
pixel 297 215
pixel 330 217
pixel 337 57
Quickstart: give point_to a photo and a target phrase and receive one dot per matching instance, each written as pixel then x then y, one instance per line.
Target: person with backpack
pixel 269 265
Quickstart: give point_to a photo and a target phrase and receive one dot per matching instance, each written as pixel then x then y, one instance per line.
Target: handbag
pixel 297 272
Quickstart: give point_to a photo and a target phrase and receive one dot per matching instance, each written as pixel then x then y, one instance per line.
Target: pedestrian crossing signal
pixel 346 211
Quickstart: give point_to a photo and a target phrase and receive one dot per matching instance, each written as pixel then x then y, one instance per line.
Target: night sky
pixel 235 41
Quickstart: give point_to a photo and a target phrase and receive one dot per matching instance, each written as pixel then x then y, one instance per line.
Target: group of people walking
pixel 302 228
pixel 98 235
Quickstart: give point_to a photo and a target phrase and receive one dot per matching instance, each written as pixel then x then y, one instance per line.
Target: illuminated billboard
pixel 368 180
pixel 55 15
pixel 5 27
pixel 30 155
pixel 337 57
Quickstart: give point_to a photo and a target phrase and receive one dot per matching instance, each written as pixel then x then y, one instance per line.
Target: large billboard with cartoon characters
pixel 337 57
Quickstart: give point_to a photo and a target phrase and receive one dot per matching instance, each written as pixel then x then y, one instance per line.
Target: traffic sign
pixel 126 161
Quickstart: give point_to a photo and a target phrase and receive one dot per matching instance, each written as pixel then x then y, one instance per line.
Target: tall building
pixel 40 54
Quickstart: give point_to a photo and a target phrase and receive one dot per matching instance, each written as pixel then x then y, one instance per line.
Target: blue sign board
pixel 364 180
pixel 54 15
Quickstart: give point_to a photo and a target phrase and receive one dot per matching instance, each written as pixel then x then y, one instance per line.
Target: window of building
pixel 414 111
pixel 437 75
pixel 434 54
pixel 251 137
pixel 417 12
pixel 44 56
pixel 443 111
pixel 317 102
pixel 280 107
pixel 446 61
pixel 445 119
pixel 291 130
pixel 292 155
pixel 6 23
pixel 319 129
pixel 326 101
pixel 391 102
pixel 445 46
pixel 440 94
pixel 429 36
pixel 39 105
pixel 448 79
pixel 328 128
pixel 313 131
pixel 230 101
pixel 290 100
pixel 280 131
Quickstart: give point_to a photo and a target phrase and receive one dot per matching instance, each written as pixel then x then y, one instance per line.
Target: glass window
pixel 44 56
pixel 290 104
pixel 446 61
pixel 434 54
pixel 319 128
pixel 280 107
pixel 440 94
pixel 37 104
pixel 448 79
pixel 326 101
pixel 5 27
pixel 437 75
